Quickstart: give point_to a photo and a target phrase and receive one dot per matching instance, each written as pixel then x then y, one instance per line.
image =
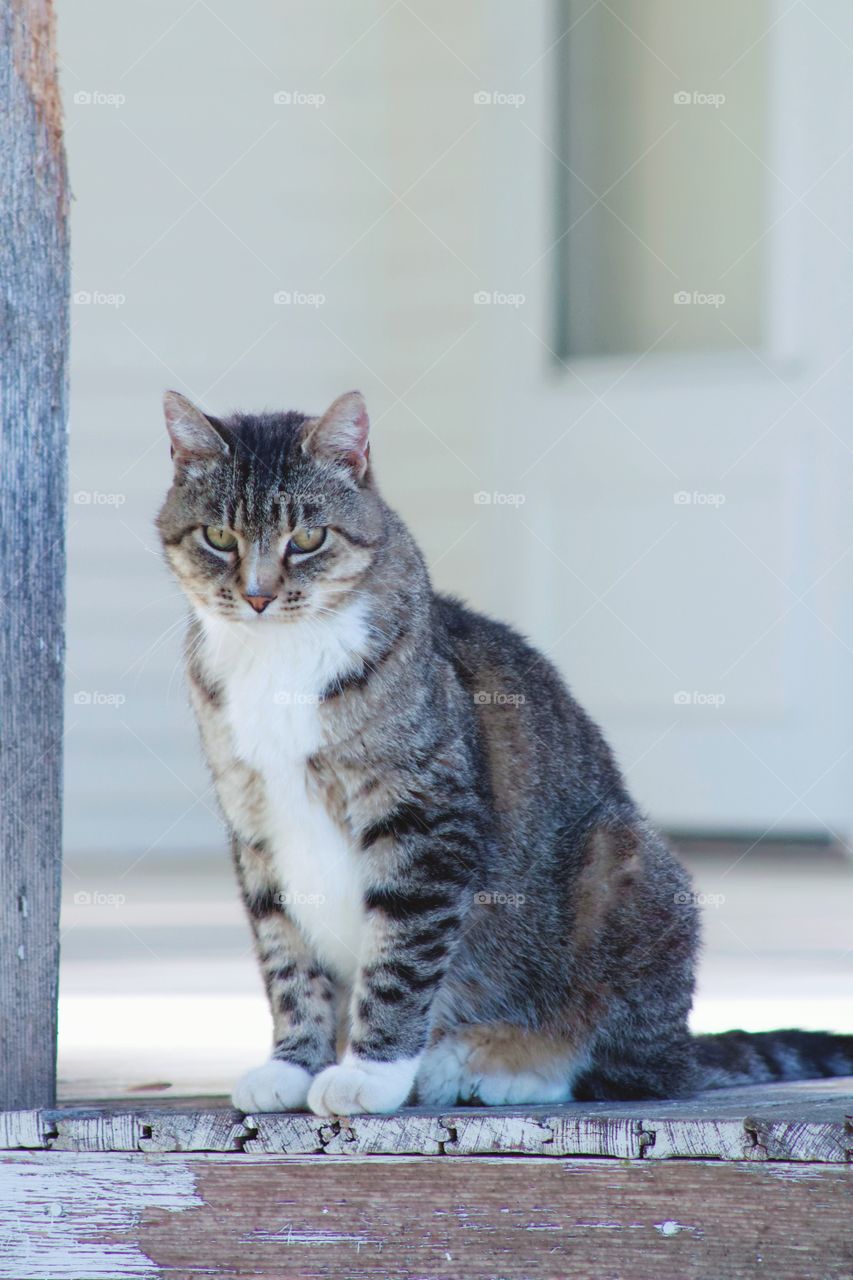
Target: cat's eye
pixel 220 538
pixel 308 539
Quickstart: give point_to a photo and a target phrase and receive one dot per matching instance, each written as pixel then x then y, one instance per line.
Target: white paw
pixel 443 1076
pixel 528 1087
pixel 450 1073
pixel 357 1084
pixel 276 1086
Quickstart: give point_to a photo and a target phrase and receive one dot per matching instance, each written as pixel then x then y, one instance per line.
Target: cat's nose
pixel 259 603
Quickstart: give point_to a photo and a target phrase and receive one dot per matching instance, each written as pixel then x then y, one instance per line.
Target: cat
pixel 454 899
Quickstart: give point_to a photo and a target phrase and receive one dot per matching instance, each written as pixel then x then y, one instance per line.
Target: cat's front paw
pixel 276 1086
pixel 358 1084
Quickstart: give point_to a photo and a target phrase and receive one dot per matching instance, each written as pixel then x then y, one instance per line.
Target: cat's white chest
pixel 272 677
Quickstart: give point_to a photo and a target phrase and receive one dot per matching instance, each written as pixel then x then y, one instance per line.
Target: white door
pixel 674 393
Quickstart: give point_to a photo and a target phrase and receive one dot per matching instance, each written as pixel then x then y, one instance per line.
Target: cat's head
pixel 271 517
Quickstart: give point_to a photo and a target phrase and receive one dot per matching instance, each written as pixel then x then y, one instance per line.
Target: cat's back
pixel 496 664
pixel 536 736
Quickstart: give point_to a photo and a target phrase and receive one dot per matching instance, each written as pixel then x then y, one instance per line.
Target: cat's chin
pixel 209 614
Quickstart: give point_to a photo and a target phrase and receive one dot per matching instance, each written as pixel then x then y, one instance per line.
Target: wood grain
pixel 181 1216
pixel 33 395
pixel 809 1122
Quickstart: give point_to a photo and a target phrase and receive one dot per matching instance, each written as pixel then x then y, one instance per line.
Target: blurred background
pixel 590 263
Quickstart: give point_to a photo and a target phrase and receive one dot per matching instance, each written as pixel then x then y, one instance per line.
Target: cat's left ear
pixel 194 436
pixel 340 435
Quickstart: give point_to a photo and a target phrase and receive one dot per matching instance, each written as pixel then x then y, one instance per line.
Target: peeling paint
pixel 291 1235
pixel 85 1207
pixel 672 1228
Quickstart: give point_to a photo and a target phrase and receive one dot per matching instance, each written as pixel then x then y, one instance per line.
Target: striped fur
pixel 452 894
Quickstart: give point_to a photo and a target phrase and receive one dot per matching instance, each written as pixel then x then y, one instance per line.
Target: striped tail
pixel 747 1057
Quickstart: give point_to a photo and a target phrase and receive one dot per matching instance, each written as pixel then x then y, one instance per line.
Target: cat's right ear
pixel 194 437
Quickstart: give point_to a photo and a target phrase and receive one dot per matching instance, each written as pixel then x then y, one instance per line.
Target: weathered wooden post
pixel 33 357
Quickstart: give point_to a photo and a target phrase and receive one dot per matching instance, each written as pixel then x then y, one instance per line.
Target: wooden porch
pixel 739 1183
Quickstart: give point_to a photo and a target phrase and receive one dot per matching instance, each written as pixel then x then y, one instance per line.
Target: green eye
pixel 308 539
pixel 220 538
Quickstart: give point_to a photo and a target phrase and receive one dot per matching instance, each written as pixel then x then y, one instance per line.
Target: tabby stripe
pixel 285 973
pixel 359 679
pixel 447 858
pixel 447 862
pixel 432 933
pixel 410 977
pixel 407 819
pixel 292 1049
pixel 263 902
pixel 345 683
pixel 388 995
pixel 175 538
pixel 358 540
pixel 213 694
pixel 441 925
pixel 397 905
pixel 436 952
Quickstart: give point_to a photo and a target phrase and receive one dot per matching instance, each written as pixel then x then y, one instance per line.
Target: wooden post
pixel 33 466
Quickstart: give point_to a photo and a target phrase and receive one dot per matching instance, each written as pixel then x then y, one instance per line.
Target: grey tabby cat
pixel 453 896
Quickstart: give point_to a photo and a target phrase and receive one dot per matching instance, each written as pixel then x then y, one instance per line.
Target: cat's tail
pixel 757 1057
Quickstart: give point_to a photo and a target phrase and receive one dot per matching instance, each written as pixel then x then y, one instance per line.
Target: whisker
pixel 161 640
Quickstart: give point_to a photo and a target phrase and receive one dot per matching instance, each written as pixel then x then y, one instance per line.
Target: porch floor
pixel 159 986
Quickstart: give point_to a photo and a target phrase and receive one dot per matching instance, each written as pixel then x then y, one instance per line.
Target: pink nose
pixel 259 603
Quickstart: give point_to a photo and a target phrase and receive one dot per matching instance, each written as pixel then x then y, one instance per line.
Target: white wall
pixel 198 198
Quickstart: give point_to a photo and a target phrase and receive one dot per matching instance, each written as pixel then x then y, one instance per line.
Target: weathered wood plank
pixel 103 1132
pixel 194 1131
pixel 153 1131
pixel 368 1135
pixel 551 1132
pixel 113 1215
pixel 808 1122
pixel 34 324
pixel 25 1130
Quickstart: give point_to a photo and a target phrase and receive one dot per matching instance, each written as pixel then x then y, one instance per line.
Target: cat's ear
pixel 341 433
pixel 194 436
